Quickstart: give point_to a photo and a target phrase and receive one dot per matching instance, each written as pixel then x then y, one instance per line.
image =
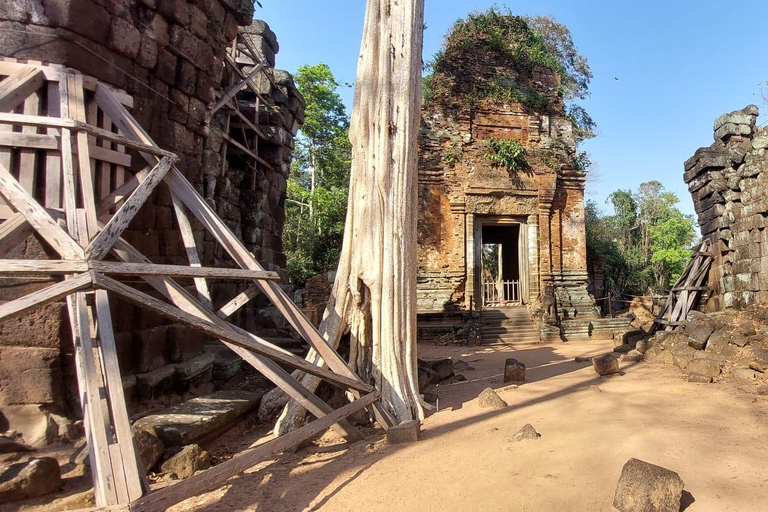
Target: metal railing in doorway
pixel 501 293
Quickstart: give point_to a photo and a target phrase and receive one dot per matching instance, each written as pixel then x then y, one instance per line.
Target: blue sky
pixel 679 64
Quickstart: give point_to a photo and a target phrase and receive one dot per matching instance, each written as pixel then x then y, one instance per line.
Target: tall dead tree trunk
pixel 374 294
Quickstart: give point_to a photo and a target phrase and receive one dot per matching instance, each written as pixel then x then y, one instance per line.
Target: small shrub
pixel 507 152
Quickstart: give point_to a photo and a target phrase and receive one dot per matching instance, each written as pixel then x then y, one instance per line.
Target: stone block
pixel 707 367
pixel 200 417
pixel 147 57
pixel 166 66
pixel 174 11
pixel 405 432
pixel 44 327
pixel 30 479
pixel 151 348
pixel 156 382
pixel 606 364
pixel 149 447
pixel 488 399
pixel 29 375
pixel 184 464
pixel 125 38
pixel 196 370
pixel 698 334
pixel 514 370
pixel 527 433
pixel 645 487
pixel 31 420
pixel 70 15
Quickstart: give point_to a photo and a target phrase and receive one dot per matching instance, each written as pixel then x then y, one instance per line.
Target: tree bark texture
pixel 374 293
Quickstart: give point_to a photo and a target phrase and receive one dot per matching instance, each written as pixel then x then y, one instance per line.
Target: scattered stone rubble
pixel 488 399
pixel 525 433
pixel 711 346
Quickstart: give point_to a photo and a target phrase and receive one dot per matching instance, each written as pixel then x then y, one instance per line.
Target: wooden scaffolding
pixel 67 144
pixel 686 293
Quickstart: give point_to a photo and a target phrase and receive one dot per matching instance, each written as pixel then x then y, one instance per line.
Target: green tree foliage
pixel 316 204
pixel 523 43
pixel 645 243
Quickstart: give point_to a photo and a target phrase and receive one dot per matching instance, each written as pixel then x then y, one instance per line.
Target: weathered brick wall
pixel 169 55
pixel 729 184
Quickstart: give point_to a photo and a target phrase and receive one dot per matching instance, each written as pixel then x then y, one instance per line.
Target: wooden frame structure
pixel 71 172
pixel 686 292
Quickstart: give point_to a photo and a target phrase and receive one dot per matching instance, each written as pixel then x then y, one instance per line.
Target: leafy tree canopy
pixel 316 204
pixel 646 243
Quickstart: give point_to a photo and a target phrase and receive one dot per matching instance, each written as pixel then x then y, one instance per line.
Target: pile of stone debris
pixel 714 346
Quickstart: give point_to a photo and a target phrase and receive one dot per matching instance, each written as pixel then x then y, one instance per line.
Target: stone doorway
pixel 501 265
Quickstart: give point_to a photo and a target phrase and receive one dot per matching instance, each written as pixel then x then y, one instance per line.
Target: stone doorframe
pixel 527 250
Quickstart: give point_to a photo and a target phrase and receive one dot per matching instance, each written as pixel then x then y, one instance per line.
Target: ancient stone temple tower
pixel 497 229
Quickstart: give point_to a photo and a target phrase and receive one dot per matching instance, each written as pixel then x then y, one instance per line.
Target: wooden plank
pixel 108 155
pixel 49 122
pixel 9 66
pixel 28 140
pixel 253 343
pixel 13 232
pixel 121 192
pixel 53 160
pixel 49 267
pixel 217 475
pixel 101 245
pixel 90 396
pixel 27 157
pixel 151 269
pixel 17 87
pixel 240 300
pixel 49 294
pixel 190 246
pixel 78 113
pixel 114 385
pixel 69 193
pixel 45 226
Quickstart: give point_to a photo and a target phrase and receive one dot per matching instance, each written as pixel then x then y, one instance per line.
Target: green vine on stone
pixel 507 152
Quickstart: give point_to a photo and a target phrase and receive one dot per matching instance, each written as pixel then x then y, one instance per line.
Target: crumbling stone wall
pixel 729 184
pixel 169 56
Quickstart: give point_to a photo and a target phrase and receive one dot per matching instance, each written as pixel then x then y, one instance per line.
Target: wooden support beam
pixel 13 232
pixel 247 151
pixel 114 385
pixel 236 89
pixel 49 294
pixel 252 343
pixel 17 87
pixel 216 476
pixel 240 300
pixel 45 226
pixel 103 242
pixel 190 246
pixel 52 160
pixel 77 112
pixel 121 192
pixel 276 374
pixel 70 124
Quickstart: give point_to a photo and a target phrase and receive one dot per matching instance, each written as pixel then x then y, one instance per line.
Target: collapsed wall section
pixel 728 182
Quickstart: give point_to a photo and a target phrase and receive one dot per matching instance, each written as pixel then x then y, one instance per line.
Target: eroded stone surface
pixel 645 487
pixel 488 399
pixel 198 418
pixel 30 479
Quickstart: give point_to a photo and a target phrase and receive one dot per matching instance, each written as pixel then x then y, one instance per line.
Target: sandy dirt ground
pixel 713 435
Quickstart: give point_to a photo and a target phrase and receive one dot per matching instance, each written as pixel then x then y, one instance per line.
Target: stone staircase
pixel 508 325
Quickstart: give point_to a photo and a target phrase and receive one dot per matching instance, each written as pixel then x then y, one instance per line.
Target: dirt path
pixel 712 435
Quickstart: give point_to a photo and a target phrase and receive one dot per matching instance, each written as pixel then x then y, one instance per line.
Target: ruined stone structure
pixel 535 213
pixel 729 184
pixel 170 56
